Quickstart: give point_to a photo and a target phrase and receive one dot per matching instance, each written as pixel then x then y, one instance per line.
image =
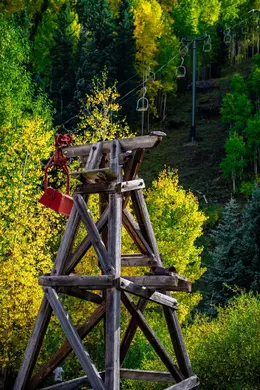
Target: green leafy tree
pixel 252 136
pixel 235 110
pixel 234 163
pixel 226 267
pixel 228 346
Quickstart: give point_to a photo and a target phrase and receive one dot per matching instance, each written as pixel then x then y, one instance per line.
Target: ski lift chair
pixel 142 104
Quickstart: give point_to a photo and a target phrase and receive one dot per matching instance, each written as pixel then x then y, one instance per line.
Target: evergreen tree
pixel 63 55
pixel 250 246
pixel 97 44
pixel 227 266
pixel 125 56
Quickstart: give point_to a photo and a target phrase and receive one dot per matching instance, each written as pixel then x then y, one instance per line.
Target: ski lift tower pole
pixel 194 79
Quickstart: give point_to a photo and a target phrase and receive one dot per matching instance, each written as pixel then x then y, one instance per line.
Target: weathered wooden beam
pixel 143 142
pixel 137 260
pixel 112 363
pixel 104 261
pixel 102 174
pixel 178 342
pixel 75 341
pixel 66 348
pixel 95 156
pixel 133 229
pixel 82 249
pixel 148 376
pixel 161 282
pixel 131 330
pixel 140 375
pixel 100 282
pixel 154 296
pixel 44 314
pixel 82 294
pixel 152 338
pixel 187 384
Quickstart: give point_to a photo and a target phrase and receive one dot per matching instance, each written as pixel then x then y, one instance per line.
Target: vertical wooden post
pixel 112 366
pixel 170 315
pixel 45 311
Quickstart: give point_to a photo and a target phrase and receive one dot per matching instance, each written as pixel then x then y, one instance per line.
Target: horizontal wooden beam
pixel 140 375
pixel 102 174
pixel 154 296
pixel 143 375
pixel 66 348
pixel 100 282
pixel 143 142
pixel 82 294
pixel 138 260
pixel 161 282
pixel 187 384
pixel 109 187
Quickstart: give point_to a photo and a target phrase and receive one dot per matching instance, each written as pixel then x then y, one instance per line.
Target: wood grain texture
pixel 74 340
pixel 144 142
pixel 66 348
pixel 151 295
pixel 187 384
pixel 152 338
pixel 100 282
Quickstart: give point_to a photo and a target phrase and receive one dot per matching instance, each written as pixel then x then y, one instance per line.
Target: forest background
pixel 78 66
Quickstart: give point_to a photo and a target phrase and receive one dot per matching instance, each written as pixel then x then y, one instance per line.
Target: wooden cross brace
pixel 115 178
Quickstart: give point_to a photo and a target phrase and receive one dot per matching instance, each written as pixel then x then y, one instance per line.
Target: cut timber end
pixel 143 142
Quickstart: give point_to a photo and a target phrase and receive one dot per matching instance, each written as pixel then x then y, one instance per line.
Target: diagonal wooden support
pixel 187 384
pixel 74 340
pixel 152 338
pixel 171 316
pixel 82 249
pixel 133 229
pixel 81 294
pixel 151 295
pixel 95 237
pixel 112 364
pixel 66 348
pixel 45 311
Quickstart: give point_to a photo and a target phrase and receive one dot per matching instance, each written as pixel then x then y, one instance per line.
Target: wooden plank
pixel 103 258
pixel 70 385
pixel 140 375
pixel 148 376
pixel 130 185
pixel 112 362
pixel 99 174
pixel 170 315
pixel 133 229
pixel 74 340
pixel 144 221
pixel 96 188
pixel 137 260
pixel 66 348
pixel 161 282
pixel 100 282
pixel 44 314
pixel 178 342
pixel 82 294
pixel 85 244
pixel 152 338
pixel 143 142
pixel 131 330
pixel 154 296
pixel 95 156
pixel 187 384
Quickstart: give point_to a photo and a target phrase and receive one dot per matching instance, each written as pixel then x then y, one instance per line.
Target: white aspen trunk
pixel 234 181
pixel 164 106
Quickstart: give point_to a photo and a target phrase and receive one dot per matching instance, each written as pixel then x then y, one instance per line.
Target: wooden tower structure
pixel 111 170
